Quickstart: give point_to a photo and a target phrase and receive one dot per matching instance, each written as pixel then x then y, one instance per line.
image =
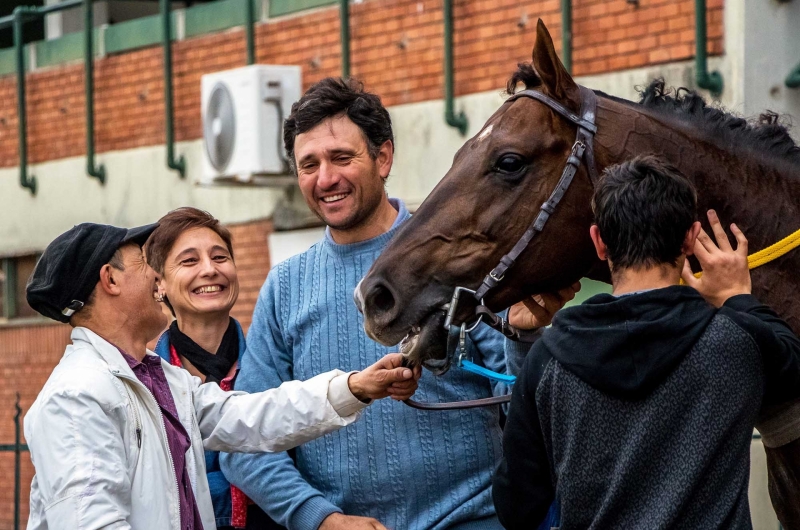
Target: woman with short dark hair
pixel 193 255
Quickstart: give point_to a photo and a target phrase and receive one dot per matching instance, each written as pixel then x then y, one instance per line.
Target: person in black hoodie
pixel 636 408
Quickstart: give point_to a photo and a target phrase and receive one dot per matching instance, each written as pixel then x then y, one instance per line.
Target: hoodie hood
pixel 625 346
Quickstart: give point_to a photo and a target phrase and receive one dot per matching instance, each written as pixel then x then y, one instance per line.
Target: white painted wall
pixel 284 245
pixel 771 43
pixel 139 190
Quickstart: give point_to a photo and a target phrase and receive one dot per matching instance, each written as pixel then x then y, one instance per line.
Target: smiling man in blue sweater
pixel 400 468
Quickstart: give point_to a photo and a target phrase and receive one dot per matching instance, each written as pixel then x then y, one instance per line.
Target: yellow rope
pixel 772 252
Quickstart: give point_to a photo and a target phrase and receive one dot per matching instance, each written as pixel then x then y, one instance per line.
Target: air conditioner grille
pixel 220 127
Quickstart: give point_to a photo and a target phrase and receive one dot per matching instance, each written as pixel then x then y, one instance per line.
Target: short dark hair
pixel 334 96
pixel 643 208
pixel 170 228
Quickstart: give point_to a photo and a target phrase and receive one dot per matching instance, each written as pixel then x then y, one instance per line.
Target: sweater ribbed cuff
pixel 311 513
pixel 516 352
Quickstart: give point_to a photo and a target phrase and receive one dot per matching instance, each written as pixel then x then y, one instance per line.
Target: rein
pixel 582 152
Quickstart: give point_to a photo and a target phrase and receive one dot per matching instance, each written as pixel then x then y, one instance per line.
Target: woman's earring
pixel 160 297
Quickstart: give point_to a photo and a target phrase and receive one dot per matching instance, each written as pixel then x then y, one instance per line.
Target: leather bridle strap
pixel 456 405
pixel 498 323
pixel 582 145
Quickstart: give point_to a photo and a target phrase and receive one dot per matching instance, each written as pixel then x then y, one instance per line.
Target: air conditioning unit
pixel 243 111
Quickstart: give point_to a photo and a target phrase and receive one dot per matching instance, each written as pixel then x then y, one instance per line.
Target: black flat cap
pixel 69 268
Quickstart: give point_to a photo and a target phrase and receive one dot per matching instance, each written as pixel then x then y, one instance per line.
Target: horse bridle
pixel 582 150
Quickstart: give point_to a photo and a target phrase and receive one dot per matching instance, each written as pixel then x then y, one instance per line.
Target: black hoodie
pixel 637 411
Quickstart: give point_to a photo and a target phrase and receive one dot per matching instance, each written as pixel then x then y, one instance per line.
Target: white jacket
pixel 99 447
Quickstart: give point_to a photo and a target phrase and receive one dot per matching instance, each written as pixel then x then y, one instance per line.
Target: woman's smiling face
pixel 199 274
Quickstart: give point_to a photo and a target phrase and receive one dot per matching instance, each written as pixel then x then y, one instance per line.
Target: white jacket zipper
pixel 136 417
pixel 163 432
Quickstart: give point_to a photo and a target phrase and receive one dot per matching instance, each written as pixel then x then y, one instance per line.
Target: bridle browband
pixel 582 151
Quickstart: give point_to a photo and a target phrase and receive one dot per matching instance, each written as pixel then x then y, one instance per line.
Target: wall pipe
pixel 344 30
pixel 250 22
pixel 793 79
pixel 179 164
pixel 17 20
pixel 98 172
pixel 458 121
pixel 566 34
pixel 26 181
pixel 711 81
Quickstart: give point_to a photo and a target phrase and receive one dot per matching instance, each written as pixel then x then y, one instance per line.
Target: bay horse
pixel 748 172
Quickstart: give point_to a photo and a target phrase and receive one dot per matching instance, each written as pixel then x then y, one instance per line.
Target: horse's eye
pixel 510 164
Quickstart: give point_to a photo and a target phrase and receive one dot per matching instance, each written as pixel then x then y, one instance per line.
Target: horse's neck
pixel 760 195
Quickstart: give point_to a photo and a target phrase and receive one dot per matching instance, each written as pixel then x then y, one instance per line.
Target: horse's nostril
pixel 381 298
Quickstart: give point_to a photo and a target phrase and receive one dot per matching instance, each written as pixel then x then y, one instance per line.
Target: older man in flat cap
pixel 116 435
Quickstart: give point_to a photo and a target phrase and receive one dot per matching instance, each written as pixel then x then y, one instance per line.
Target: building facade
pixel 396 49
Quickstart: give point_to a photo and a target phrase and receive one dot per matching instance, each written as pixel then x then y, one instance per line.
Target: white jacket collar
pixel 110 353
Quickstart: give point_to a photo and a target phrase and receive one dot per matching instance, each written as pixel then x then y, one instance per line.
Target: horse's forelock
pixel 525 74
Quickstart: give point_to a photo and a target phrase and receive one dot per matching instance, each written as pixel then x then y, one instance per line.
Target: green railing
pixel 17 448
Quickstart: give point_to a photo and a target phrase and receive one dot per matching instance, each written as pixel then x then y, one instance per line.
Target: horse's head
pixel 498 182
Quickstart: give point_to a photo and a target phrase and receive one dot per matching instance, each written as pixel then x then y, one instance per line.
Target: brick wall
pixel 253 263
pixel 396 50
pixel 29 354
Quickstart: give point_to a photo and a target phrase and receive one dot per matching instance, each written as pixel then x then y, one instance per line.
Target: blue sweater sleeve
pixel 271 480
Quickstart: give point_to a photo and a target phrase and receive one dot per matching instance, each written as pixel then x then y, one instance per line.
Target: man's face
pixel 340 181
pixel 138 289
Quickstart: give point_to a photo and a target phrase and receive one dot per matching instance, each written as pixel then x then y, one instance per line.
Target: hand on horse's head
pixel 538 310
pixel 387 377
pixel 725 270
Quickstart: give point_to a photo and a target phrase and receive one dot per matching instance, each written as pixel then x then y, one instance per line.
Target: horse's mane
pixel 766 134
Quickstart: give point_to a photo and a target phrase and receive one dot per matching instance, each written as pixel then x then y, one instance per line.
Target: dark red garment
pixel 239 501
pixel 151 375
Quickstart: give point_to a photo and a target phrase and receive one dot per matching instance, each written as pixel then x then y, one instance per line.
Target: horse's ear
pixel 555 78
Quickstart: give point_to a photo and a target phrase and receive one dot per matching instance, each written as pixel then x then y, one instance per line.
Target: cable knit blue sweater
pixel 409 469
